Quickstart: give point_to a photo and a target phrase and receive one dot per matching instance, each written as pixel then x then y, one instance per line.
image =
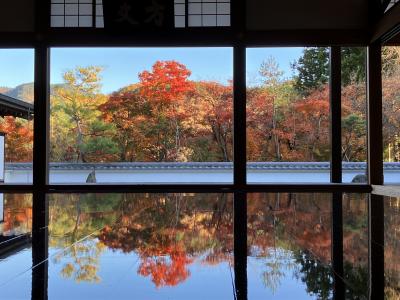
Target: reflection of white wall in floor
pixel 1 208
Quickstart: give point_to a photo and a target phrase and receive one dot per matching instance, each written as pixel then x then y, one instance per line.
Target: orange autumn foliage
pixel 19 139
pixel 165 268
pixel 166 83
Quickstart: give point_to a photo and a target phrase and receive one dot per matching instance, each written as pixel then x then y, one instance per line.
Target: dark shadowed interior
pixel 199 149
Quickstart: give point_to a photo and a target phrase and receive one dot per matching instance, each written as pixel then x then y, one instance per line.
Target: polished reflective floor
pixel 181 246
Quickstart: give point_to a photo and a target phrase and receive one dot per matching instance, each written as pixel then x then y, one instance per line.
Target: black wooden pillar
pixel 335 96
pixel 40 173
pixel 40 247
pixel 40 153
pixel 41 116
pixel 374 98
pixel 239 148
pixel 239 108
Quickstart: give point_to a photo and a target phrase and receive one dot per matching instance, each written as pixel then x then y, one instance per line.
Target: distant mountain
pixel 22 92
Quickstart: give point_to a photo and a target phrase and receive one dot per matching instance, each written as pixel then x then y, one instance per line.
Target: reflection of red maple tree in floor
pixel 163 259
pixel 168 270
pixel 168 242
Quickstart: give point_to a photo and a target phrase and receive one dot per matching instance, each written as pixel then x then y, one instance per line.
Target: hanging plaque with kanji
pixel 125 15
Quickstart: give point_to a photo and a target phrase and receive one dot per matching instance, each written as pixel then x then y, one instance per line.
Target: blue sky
pixel 16 66
pixel 122 65
pixel 283 56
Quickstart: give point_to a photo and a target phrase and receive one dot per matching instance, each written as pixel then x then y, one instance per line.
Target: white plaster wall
pixel 145 176
pixel 392 177
pixel 18 176
pixel 190 176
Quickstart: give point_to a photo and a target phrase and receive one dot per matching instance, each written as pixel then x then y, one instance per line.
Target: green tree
pixel 390 61
pixel 280 97
pixel 353 65
pixel 353 138
pixel 312 68
pixel 76 119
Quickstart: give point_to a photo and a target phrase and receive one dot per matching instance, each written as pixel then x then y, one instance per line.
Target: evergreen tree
pixel 312 68
pixel 353 65
pixel 79 133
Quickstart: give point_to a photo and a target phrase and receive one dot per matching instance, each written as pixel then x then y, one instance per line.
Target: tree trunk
pixel 221 141
pixel 275 136
pixel 79 141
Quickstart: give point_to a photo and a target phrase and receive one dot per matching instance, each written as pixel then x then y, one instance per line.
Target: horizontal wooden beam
pixel 211 37
pixel 306 37
pixel 191 37
pixel 61 37
pixel 195 188
pixel 17 39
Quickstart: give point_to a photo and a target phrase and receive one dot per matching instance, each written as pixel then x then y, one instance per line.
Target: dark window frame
pixel 41 141
pixel 239 38
pixel 236 37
